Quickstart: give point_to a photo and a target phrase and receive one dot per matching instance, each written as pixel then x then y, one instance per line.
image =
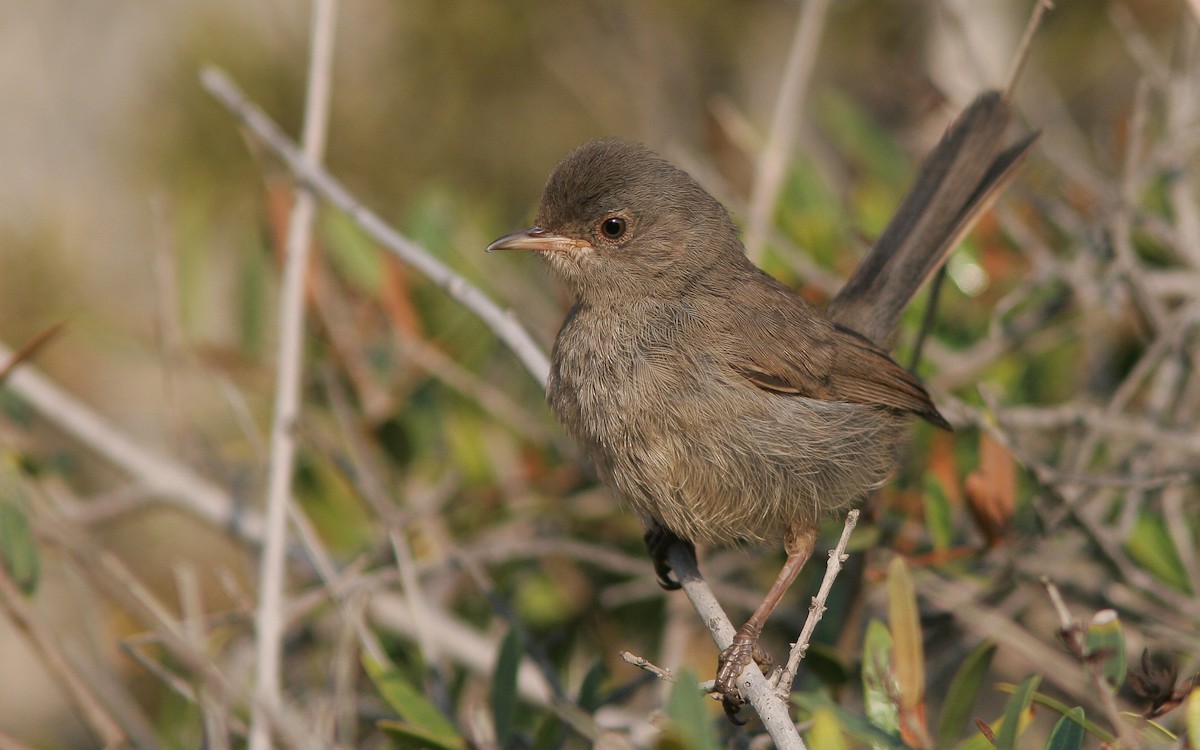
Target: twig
pixel 178 484
pixel 28 350
pixel 773 163
pixel 753 686
pixel 1073 633
pixel 837 556
pixel 962 600
pixel 1022 55
pixel 118 583
pixel 214 713
pixel 92 710
pixel 268 621
pixel 158 474
pixel 500 321
pixel 642 662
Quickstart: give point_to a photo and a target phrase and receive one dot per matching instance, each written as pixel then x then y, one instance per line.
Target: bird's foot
pixel 730 664
pixel 658 542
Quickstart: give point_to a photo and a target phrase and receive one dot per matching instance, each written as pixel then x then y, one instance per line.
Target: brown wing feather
pixel 792 350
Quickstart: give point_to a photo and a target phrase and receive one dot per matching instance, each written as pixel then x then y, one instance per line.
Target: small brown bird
pixel 715 401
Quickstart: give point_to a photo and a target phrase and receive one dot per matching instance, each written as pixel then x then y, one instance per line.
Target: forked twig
pixel 837 556
pixel 752 684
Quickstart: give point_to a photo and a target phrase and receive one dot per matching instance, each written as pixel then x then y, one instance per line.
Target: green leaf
pixel 1068 732
pixel 1150 546
pixel 18 548
pixel 826 731
pixel 1018 704
pixel 1062 709
pixel 422 718
pixel 939 516
pixel 504 687
pixel 549 734
pixel 1104 644
pixel 589 691
pixel 908 652
pixel 354 256
pixel 412 736
pixel 960 696
pixel 879 683
pixel 1192 717
pixel 691 725
pixel 852 723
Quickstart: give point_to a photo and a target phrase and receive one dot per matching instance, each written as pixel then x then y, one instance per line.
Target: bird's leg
pixel 799 546
pixel 658 541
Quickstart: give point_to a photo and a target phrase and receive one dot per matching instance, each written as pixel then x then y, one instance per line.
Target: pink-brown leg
pixel 799 546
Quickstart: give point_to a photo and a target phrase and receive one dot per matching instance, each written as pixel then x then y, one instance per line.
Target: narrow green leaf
pixel 691 724
pixel 908 652
pixel 549 734
pixel 411 736
pixel 589 691
pixel 826 731
pixel 1062 709
pixel 18 548
pixel 960 696
pixel 1068 732
pixel 1105 644
pixel 422 717
pixel 879 683
pixel 504 687
pixel 355 258
pixel 1192 717
pixel 939 516
pixel 1018 704
pixel 1150 546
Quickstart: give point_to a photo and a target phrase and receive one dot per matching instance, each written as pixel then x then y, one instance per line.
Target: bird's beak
pixel 536 239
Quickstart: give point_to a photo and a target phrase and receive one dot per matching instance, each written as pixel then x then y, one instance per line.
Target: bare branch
pixel 773 162
pixel 268 620
pixel 753 686
pixel 500 321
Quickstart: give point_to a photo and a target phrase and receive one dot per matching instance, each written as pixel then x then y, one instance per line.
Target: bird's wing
pixel 787 347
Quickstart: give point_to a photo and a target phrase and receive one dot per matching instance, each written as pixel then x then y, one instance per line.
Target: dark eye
pixel 613 228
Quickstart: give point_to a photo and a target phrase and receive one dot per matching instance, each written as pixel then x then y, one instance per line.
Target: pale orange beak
pixel 536 239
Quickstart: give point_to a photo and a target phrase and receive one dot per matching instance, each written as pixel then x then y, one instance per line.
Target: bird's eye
pixel 613 228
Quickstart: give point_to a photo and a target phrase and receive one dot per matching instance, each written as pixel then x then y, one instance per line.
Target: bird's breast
pixel 617 371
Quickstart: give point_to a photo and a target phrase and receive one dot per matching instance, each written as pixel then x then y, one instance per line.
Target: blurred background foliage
pixel 134 210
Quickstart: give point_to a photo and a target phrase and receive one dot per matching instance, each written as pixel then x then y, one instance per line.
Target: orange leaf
pixel 992 491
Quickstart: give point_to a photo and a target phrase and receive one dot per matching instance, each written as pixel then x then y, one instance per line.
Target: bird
pixel 717 403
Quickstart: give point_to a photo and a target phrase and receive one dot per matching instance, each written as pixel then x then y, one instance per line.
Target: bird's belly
pixel 712 458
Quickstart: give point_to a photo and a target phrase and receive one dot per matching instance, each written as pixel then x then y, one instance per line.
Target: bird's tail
pixel 957 182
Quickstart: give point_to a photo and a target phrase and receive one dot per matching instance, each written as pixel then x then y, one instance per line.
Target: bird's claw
pixel 732 661
pixel 658 542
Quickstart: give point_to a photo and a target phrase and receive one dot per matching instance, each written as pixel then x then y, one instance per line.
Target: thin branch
pixel 642 662
pixel 1073 633
pixel 773 163
pixel 214 712
pixel 753 686
pixel 1022 55
pixel 172 481
pixel 10 360
pixel 500 321
pixel 268 621
pixel 25 619
pixel 837 556
pixel 158 474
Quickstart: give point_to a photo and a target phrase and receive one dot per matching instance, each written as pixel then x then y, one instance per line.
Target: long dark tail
pixel 957 182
